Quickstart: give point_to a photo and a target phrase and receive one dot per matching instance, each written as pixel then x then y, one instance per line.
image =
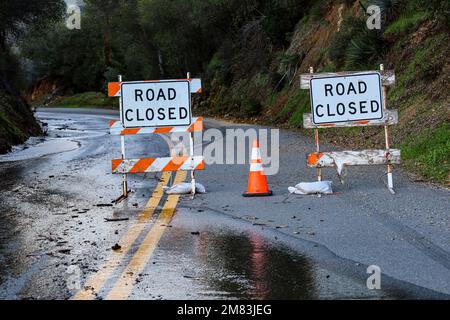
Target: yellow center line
pixel 95 283
pixel 126 281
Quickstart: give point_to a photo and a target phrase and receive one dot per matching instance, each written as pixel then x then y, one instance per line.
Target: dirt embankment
pixel 414 42
pixel 17 122
pixel 45 91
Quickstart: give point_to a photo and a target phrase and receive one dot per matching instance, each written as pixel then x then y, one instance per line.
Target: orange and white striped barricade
pixel 116 128
pixel 144 165
pixel 122 128
pixel 350 99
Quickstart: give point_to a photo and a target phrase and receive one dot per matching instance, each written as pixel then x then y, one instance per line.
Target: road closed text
pixel 152 104
pixel 162 114
pixel 346 98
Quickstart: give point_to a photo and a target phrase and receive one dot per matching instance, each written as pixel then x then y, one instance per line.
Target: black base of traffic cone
pixel 264 194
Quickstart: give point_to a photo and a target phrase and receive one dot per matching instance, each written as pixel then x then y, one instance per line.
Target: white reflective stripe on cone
pixel 254 167
pixel 256 154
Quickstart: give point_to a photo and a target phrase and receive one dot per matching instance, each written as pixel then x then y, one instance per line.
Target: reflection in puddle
pixel 246 267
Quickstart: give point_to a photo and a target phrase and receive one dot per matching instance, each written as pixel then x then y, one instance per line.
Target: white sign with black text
pixel 156 104
pixel 346 98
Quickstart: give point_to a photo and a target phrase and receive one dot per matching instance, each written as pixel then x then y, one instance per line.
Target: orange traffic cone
pixel 257 183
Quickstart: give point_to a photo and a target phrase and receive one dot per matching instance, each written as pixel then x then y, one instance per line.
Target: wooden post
pixel 191 152
pixel 316 138
pixel 390 168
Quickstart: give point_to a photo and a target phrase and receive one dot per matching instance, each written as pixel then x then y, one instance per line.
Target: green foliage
pixel 287 60
pixel 396 92
pixel 389 8
pixel 9 131
pixel 429 153
pixel 70 54
pixel 364 49
pixel 10 66
pixel 87 99
pixel 16 120
pixel 249 107
pixel 16 15
pixel 300 104
pixel 350 27
pixel 294 108
pixel 154 39
pixel 111 74
pixel 407 23
pixel 441 7
pixel 331 67
pixel 218 69
pixel 318 10
pixel 279 18
pixel 15 18
pixel 355 46
pixel 423 65
pixel 109 43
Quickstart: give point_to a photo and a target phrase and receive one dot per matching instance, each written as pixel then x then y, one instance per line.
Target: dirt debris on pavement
pixel 116 247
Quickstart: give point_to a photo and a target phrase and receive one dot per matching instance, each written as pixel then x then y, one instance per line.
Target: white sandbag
pixel 320 187
pixel 199 188
pixel 185 188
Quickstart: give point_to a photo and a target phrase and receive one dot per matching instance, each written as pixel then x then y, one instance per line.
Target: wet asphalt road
pixel 56 244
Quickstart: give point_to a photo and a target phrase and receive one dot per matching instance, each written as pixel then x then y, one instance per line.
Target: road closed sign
pixel 156 104
pixel 346 98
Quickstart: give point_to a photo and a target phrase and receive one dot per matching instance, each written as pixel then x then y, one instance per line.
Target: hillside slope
pixel 17 122
pixel 414 41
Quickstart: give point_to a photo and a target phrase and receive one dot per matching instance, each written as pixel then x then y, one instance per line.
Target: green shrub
pixel 318 10
pixel 365 48
pixel 423 65
pixel 287 60
pixel 250 107
pixel 9 131
pixel 429 153
pixel 389 8
pixel 297 104
pixel 87 99
pixel 350 27
pixel 407 23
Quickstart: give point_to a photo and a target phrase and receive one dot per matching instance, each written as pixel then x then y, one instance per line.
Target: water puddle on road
pixel 39 147
pixel 220 262
pixel 63 136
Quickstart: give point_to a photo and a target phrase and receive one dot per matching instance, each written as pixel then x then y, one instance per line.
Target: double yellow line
pixel 124 284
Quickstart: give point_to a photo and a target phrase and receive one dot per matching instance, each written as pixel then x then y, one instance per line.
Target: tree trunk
pixel 161 64
pixel 107 45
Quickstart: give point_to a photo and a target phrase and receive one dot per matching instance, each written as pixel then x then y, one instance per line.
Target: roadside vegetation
pixel 250 54
pixel 86 100
pixel 16 119
pixel 428 153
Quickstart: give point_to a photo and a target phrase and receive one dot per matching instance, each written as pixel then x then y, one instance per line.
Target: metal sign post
pixel 386 136
pixel 316 138
pixel 191 153
pixel 122 148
